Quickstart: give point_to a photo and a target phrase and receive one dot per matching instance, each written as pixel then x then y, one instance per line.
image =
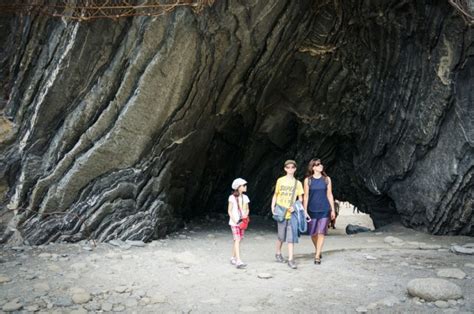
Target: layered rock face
pixel 122 129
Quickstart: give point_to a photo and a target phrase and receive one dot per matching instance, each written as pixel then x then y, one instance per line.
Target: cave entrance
pixel 350 214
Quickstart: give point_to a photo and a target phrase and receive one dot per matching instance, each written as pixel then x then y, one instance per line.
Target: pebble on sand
pixel 265 276
pixel 106 306
pixel 120 289
pixel 451 273
pixel 4 279
pixel 441 304
pixel 13 305
pixel 462 250
pixel 433 289
pixel 80 296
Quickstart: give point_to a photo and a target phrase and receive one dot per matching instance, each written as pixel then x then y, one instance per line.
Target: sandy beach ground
pixel 189 272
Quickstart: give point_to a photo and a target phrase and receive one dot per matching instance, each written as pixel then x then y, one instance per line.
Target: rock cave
pixel 124 128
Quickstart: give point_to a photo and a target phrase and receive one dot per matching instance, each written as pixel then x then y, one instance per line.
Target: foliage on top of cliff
pixel 83 10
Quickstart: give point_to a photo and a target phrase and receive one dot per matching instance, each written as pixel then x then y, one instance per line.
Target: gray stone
pixel 452 302
pixel 92 306
pixel 361 309
pixel 462 250
pixel 41 286
pixel 119 308
pixel 136 243
pixel 4 279
pixel 12 306
pixel 62 301
pixel 157 298
pixel 79 295
pixel 139 293
pixel 120 289
pixel 451 273
pixel 119 243
pixel 106 306
pixel 372 306
pixel 130 302
pixel 441 304
pixel 144 301
pixel 264 276
pixel 433 289
pixel 32 308
pixel 353 229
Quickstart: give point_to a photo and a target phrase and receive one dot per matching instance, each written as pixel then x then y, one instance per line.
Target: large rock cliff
pixel 123 128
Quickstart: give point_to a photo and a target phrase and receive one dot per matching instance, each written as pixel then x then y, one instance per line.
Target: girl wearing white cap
pixel 238 208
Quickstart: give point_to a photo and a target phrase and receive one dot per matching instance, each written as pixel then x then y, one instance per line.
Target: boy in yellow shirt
pixel 285 195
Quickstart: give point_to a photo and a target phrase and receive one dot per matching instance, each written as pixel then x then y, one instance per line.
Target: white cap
pixel 238 182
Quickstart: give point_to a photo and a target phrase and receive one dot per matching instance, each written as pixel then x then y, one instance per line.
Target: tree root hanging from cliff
pixel 464 9
pixel 83 10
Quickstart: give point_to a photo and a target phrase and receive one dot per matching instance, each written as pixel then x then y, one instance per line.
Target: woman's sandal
pixel 317 260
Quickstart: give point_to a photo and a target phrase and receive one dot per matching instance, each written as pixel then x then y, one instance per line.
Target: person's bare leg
pixel 290 251
pixel 278 247
pixel 237 249
pixel 315 243
pixel 319 245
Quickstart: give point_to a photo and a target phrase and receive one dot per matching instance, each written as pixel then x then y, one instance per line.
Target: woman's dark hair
pixel 310 171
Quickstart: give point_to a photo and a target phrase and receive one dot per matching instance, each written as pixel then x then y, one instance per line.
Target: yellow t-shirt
pixel 284 191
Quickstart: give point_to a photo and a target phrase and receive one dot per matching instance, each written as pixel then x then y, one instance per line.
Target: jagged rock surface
pixel 129 126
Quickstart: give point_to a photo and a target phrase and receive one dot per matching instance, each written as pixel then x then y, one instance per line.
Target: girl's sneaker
pixel 240 265
pixel 233 260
